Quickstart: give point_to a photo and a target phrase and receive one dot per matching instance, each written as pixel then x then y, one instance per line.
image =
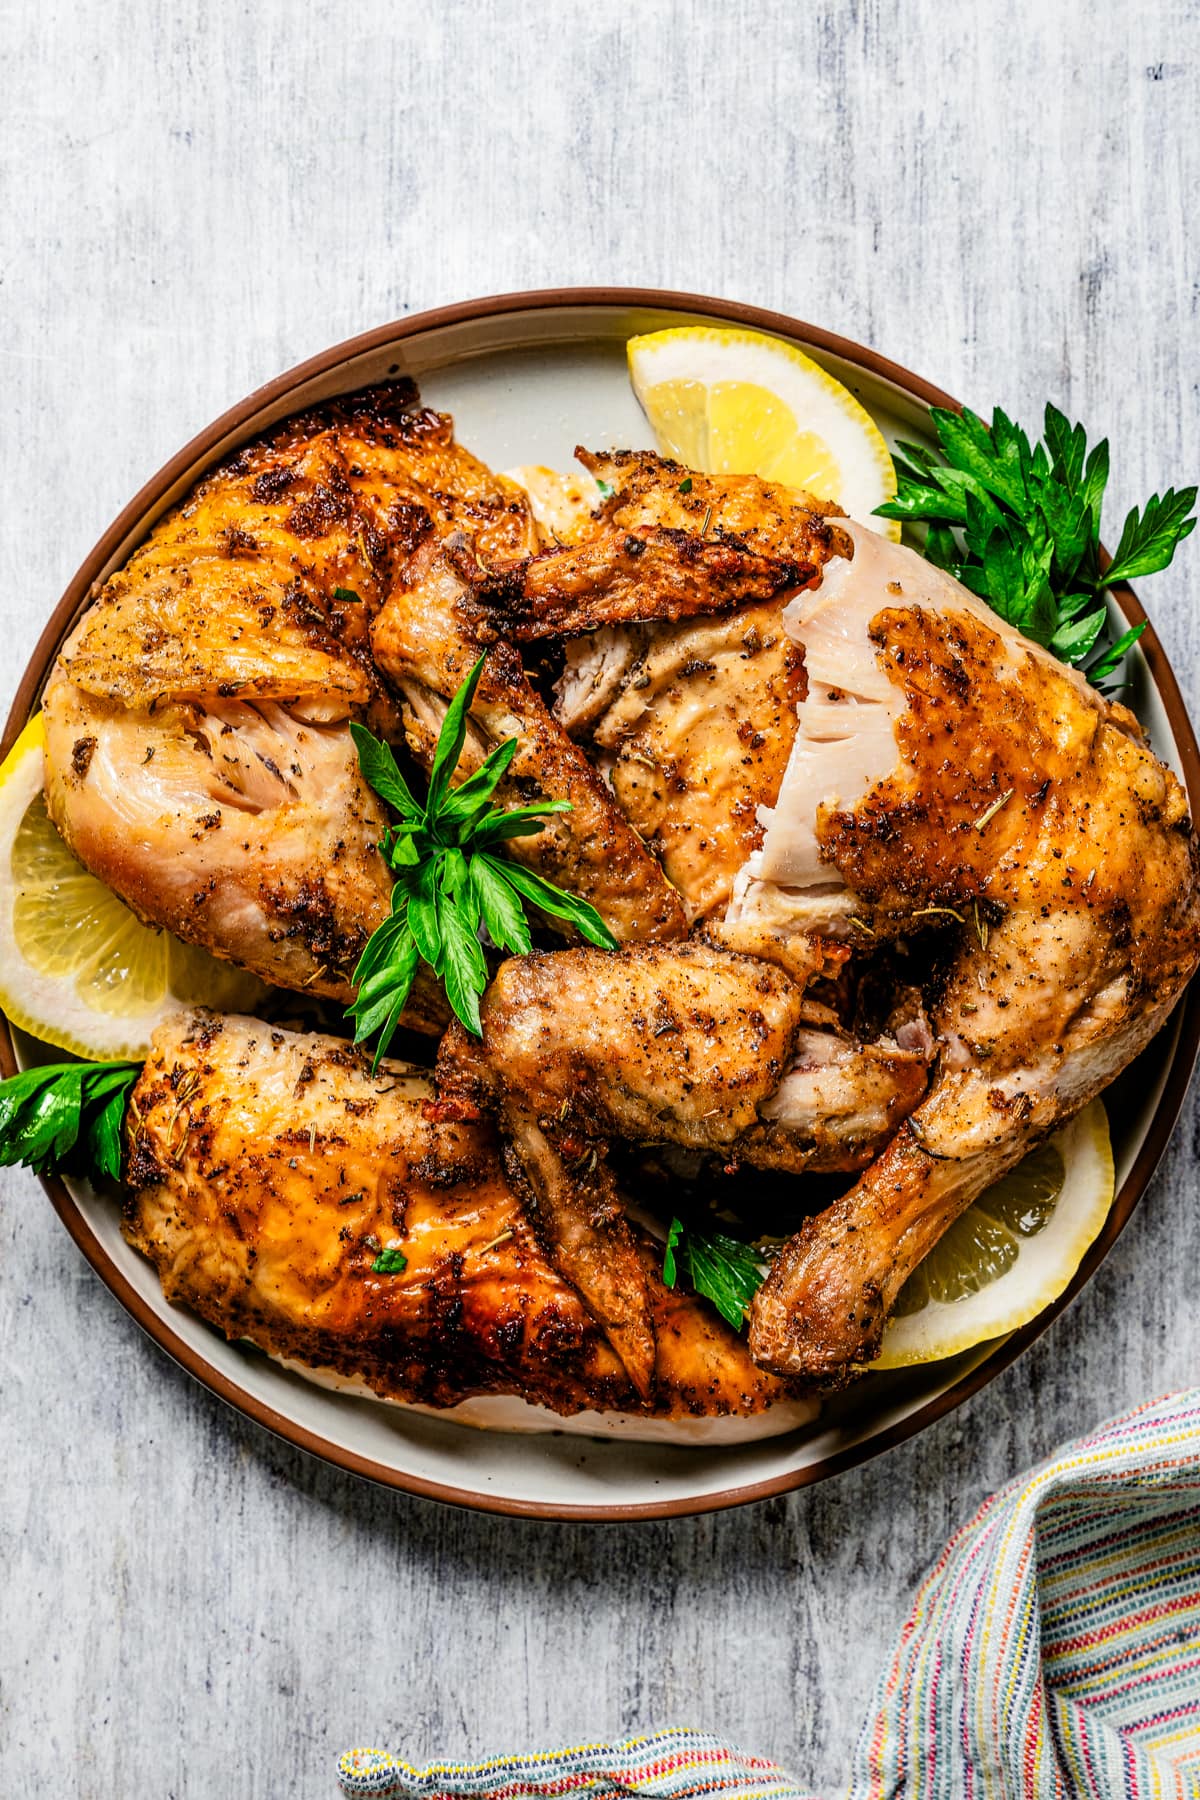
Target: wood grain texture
pixel 193 198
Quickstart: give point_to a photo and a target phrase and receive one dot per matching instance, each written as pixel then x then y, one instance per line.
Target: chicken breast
pixel 198 756
pixel 269 1176
pixel 1013 808
pixel 243 827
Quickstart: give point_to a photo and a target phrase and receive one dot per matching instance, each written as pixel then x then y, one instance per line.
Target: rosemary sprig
pixel 449 879
pixel 1020 526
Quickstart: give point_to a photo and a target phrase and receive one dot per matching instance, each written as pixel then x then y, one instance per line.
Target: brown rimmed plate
pixel 527 376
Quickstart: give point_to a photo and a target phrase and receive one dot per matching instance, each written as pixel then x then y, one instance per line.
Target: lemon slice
pixel 733 402
pixel 1011 1253
pixel 77 968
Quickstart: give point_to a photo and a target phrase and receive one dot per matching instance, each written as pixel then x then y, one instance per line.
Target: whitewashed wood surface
pixel 1000 195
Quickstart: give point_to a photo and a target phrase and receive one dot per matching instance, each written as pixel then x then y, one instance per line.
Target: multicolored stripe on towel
pixel 1055 1648
pixel 1053 1654
pixel 669 1765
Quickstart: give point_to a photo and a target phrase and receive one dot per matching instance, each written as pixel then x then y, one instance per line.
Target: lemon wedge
pixel 1011 1253
pixel 733 402
pixel 77 968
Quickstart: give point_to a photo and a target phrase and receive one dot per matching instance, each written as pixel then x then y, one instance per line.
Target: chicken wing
pixel 953 773
pixel 668 544
pixel 198 756
pixel 269 1175
pixel 777 522
pixel 695 720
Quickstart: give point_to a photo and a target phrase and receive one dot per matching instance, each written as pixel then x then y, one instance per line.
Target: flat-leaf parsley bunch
pixel 1020 526
pixel 449 879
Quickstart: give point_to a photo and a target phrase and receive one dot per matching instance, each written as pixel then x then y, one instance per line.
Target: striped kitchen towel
pixel 1054 1652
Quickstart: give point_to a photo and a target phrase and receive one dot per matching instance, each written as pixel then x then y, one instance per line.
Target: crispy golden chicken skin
pixel 774 521
pixel 624 1043
pixel 699 737
pixel 197 751
pixel 667 544
pixel 268 1172
pixel 617 576
pixel 1026 815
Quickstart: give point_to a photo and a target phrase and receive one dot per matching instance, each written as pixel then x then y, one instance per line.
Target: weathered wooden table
pixel 1000 196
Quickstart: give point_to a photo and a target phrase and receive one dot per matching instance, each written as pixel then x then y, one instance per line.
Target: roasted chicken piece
pixel 693 720
pixel 198 756
pixel 777 522
pixel 667 544
pixel 684 1045
pixel 244 827
pixel 695 737
pixel 270 1174
pixel 425 645
pixel 617 576
pixel 949 772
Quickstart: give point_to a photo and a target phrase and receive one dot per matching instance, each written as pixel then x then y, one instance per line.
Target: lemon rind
pixel 944 1329
pixel 45 1004
pixel 674 356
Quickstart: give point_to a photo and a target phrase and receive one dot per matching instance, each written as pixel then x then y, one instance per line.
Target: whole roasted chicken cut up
pixel 895 894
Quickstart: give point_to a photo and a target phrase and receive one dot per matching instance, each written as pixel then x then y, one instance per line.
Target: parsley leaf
pixel 499 906
pixel 66 1118
pixel 721 1268
pixel 1019 524
pixel 381 772
pixel 448 881
pixel 390 1261
pixel 1148 540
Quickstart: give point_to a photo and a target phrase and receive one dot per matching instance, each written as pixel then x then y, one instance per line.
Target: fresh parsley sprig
pixel 1019 525
pixel 66 1118
pixel 724 1269
pixel 449 880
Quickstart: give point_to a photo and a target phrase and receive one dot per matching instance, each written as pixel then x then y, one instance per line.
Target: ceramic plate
pixel 527 377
